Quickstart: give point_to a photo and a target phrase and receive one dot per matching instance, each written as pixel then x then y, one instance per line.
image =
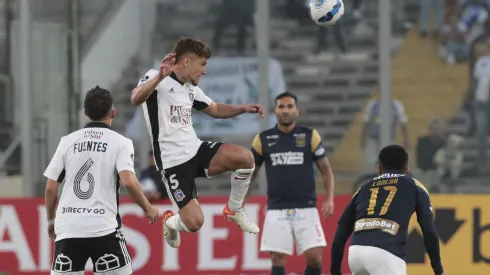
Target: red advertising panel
pixel 219 248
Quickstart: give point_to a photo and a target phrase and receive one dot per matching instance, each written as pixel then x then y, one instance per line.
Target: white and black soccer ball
pixel 326 13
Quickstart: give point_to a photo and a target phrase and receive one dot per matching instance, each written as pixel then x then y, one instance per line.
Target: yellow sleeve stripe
pixel 419 184
pixel 257 145
pixel 315 140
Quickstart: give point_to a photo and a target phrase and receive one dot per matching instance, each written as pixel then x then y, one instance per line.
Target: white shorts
pixel 283 227
pixel 370 260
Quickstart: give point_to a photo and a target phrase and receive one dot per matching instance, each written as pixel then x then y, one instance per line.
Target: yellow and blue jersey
pixel 289 159
pixel 379 213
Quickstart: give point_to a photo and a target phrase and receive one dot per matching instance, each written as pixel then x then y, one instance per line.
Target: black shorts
pixel 180 180
pixel 108 253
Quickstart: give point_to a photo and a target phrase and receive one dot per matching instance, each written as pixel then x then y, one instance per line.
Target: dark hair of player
pixel 393 157
pixel 190 45
pixel 287 94
pixel 98 103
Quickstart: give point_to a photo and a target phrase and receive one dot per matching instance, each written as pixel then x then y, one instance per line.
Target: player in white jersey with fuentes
pixel 168 96
pixel 93 161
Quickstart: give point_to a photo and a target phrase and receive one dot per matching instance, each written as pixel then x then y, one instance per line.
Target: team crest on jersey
pixel 179 195
pixel 301 141
pixel 191 97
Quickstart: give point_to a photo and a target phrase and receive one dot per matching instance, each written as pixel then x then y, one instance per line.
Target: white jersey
pixel 89 161
pixel 168 117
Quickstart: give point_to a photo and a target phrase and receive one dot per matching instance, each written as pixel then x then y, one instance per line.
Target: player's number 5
pixel 374 198
pixel 174 183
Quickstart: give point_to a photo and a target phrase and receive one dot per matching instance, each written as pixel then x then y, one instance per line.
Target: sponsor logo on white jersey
pixel 181 115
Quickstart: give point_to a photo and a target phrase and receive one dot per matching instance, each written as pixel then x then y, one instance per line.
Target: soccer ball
pixel 326 13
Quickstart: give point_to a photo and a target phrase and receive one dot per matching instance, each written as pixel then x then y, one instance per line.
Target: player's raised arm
pixel 344 230
pixel 150 81
pixel 221 110
pixel 425 218
pixel 125 168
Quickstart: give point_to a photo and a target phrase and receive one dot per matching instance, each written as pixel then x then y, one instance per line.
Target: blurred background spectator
pixel 449 160
pixel 151 181
pixel 371 131
pixel 481 87
pixel 237 13
pixel 322 38
pixel 427 147
pixel 437 8
pixel 454 45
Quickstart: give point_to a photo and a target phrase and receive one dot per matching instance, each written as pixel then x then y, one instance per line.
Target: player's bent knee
pixel 314 260
pixel 248 160
pixel 241 158
pixel 192 216
pixel 278 259
pixel 193 223
pixel 314 257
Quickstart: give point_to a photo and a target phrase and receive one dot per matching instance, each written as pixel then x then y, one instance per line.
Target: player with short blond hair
pixel 168 96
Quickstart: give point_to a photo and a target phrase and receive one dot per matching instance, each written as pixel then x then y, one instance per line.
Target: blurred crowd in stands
pixel 463 29
pixel 240 15
pixel 459 23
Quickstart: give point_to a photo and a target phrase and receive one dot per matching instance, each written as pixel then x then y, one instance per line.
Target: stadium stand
pixel 330 93
pixel 424 84
pixel 93 15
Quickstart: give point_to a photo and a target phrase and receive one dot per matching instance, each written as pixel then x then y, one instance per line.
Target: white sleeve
pixel 369 107
pixel 149 75
pixel 56 168
pixel 400 112
pixel 125 157
pixel 201 100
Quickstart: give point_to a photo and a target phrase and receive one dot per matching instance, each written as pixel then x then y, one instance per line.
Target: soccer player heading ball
pixel 168 96
pixel 289 151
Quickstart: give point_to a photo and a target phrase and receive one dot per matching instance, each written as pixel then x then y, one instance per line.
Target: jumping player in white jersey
pixel 93 161
pixel 168 96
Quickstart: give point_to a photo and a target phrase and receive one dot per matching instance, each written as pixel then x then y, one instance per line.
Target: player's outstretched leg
pixel 230 157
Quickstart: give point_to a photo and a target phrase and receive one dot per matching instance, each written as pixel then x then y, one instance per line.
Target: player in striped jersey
pixel 168 96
